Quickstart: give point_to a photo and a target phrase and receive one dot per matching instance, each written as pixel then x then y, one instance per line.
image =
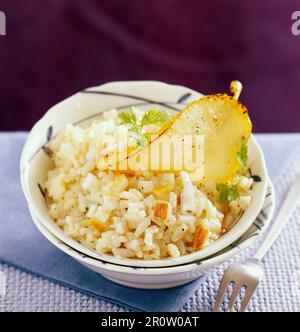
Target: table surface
pixel 279 291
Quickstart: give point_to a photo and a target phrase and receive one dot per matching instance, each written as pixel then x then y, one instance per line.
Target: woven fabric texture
pixel 279 290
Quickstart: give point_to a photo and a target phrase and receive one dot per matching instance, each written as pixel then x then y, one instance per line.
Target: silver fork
pixel 249 273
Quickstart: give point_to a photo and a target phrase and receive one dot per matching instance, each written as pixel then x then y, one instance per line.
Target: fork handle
pixel 288 207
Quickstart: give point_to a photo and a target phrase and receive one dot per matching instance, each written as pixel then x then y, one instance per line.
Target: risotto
pixel 140 215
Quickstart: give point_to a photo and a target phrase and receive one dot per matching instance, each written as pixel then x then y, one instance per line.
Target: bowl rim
pixel 243 223
pixel 205 264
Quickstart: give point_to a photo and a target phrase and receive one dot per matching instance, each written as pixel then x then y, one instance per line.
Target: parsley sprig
pixel 243 155
pixel 230 192
pixel 135 126
pixel 227 193
pixel 155 117
pixel 129 118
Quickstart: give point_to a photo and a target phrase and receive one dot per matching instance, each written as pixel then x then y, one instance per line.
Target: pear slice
pixel 225 125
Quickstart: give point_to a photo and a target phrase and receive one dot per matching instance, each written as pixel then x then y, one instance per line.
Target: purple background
pixel 55 48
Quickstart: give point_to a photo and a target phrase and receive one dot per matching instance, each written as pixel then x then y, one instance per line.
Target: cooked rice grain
pixel 145 215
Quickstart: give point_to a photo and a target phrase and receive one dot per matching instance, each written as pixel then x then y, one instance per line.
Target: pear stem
pixel 236 88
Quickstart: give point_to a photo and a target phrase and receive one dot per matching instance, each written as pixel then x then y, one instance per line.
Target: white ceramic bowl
pixel 167 277
pixel 83 108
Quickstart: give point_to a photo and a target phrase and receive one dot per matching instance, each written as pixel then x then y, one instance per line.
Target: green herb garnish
pixel 151 117
pixel 243 155
pixel 156 117
pixel 227 193
pixel 129 118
